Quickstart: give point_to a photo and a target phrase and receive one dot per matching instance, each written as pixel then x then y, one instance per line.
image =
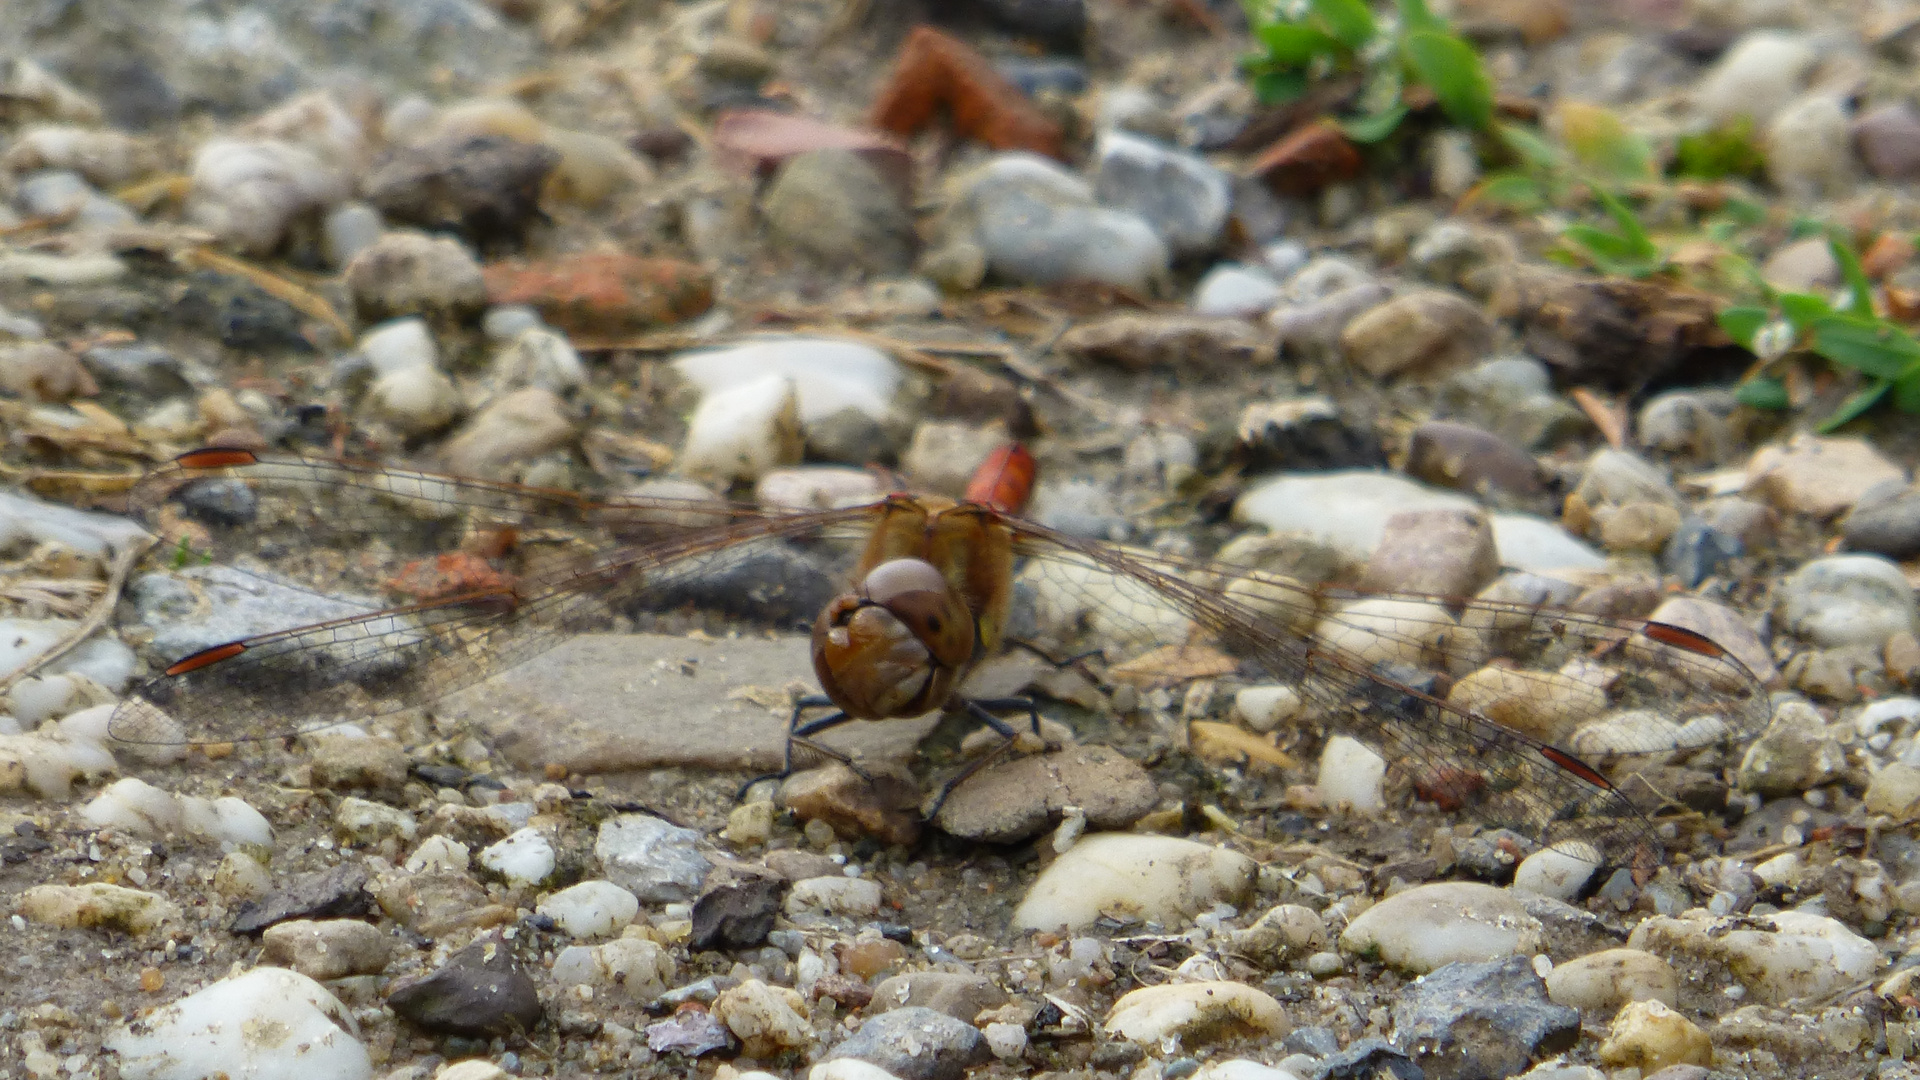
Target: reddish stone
pixel 1312 157
pixel 1889 253
pixel 603 293
pixel 938 71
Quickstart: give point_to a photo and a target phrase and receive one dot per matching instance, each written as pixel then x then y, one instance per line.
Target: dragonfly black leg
pixel 798 732
pixel 983 711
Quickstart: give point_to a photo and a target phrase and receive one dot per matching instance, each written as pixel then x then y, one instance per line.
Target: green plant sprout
pixel 1305 40
pixel 1843 331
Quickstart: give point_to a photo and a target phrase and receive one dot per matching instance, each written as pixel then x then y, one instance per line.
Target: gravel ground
pixel 803 254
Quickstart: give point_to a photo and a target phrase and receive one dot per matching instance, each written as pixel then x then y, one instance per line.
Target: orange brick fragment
pixel 1308 159
pixel 936 71
pixel 606 293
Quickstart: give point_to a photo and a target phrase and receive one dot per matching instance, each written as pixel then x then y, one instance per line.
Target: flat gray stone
pixel 605 703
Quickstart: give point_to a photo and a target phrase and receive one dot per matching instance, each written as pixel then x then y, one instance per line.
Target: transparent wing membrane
pixel 1512 712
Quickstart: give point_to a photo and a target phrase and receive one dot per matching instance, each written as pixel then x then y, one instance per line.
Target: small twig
pixel 123 561
pixel 1610 417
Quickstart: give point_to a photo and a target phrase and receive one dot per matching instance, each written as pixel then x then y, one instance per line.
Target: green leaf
pixel 1803 309
pixel 1532 150
pixel 1415 15
pixel 1512 190
pixel 1623 216
pixel 1741 323
pixel 1452 69
pixel 1861 400
pixel 1763 392
pixel 1279 87
pixel 1906 394
pixel 1294 45
pixel 1602 242
pixel 1728 150
pixel 1371 129
pixel 1860 302
pixel 1868 345
pixel 1348 20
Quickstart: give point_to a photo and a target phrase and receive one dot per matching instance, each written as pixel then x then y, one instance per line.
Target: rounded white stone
pixel 1161 879
pixel 1352 776
pixel 591 908
pixel 267 1023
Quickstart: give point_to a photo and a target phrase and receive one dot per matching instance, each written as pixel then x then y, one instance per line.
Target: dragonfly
pixel 1514 710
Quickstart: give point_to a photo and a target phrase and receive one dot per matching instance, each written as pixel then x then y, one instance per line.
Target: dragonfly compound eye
pixel 873 665
pixel 919 597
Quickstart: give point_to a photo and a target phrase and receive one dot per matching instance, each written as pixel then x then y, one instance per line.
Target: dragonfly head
pixel 894 646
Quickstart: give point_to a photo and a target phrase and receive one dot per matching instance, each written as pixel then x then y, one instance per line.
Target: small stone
pixel 486 187
pixel 1183 197
pixel 1428 926
pixel 417 401
pixel 1284 934
pixel 1449 552
pixel 338 891
pixel 1197 1013
pixel 1887 138
pixel 1159 879
pixel 1012 800
pixel 362 821
pixel 1844 600
pixel 1783 956
pixel 1650 1037
pixel 1488 1018
pixel 839 895
pixel 938 72
pixel 835 206
pixel 692 1031
pixel 635 968
pixel 1886 522
pixel 1560 872
pixel 737 915
pixel 514 427
pixel 1819 476
pixel 410 273
pixel 885 808
pixel 1038 223
pixel 1810 148
pixel 349 763
pixel 479 992
pixel 349 229
pixel 1188 343
pixel 43 372
pixel 743 432
pixel 1352 777
pixel 1603 981
pixel 143 369
pixel 1755 78
pixel 98 905
pixel 1802 266
pixel 248 192
pixel 651 858
pixel 961 995
pixel 1422 333
pixel 266 1022
pixel 590 909
pixel 438 853
pixel 1469 459
pixel 604 293
pixel 524 857
pixel 866 959
pixel 540 357
pixel 1235 291
pixel 766 1019
pixel 328 949
pixel 1008 1042
pixel 914 1043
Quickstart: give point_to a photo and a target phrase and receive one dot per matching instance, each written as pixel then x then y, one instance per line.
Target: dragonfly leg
pixel 798 732
pixel 982 710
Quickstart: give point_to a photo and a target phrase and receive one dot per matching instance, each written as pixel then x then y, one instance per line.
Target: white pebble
pixel 591 908
pixel 1200 1011
pixel 1787 955
pixel 525 857
pixel 1265 708
pixel 641 968
pixel 1158 878
pixel 1007 1041
pixel 834 895
pixel 828 375
pixel 743 432
pixel 34 700
pixel 247 191
pixel 269 1022
pixel 1236 291
pixel 541 357
pixel 437 853
pixel 1560 871
pixel 418 400
pixel 1352 776
pixel 1429 926
pixel 399 344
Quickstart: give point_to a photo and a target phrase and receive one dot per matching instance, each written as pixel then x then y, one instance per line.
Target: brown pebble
pixel 152 981
pixel 869 958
